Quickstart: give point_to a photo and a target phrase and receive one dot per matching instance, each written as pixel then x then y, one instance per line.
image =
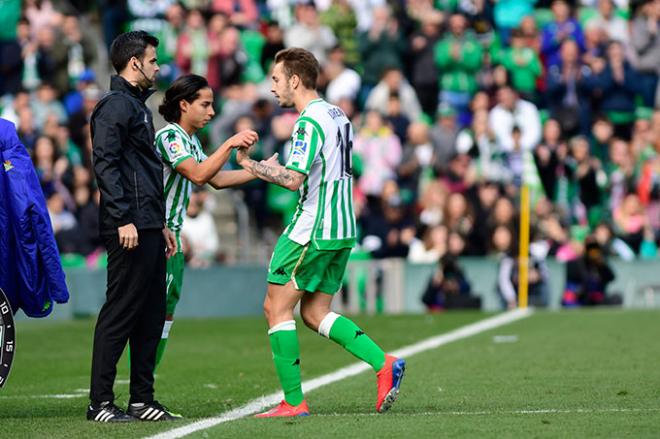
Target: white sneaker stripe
pixel 98 415
pixel 159 416
pixel 109 417
pixel 154 414
pixel 104 416
pixel 147 413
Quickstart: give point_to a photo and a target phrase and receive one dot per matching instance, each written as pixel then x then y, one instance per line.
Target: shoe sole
pixel 260 416
pixel 398 370
pixel 113 421
pixel 162 419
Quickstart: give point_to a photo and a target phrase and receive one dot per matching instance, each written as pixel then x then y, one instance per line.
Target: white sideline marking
pixel 501 412
pixel 54 396
pixel 257 405
pixel 79 393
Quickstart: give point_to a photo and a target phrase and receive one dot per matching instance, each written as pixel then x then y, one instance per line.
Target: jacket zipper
pixel 137 197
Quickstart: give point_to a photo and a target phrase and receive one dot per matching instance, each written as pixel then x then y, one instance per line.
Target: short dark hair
pixel 186 88
pixel 301 62
pixel 129 45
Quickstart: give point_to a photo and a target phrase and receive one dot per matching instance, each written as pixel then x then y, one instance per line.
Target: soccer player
pixel 188 107
pixel 310 257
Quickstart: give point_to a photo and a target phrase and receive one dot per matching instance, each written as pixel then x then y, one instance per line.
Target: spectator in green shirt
pixel 341 18
pixel 459 57
pixel 10 12
pixel 524 66
pixel 380 47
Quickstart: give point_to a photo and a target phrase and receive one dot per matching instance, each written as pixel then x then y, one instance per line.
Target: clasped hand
pixel 243 154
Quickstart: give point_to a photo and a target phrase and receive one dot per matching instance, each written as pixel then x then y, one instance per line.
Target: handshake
pixel 243 141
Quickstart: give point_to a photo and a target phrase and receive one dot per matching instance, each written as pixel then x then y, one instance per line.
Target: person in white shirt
pixel 512 111
pixel 200 232
pixel 393 81
pixel 364 12
pixel 344 83
pixel 308 32
pixel 615 26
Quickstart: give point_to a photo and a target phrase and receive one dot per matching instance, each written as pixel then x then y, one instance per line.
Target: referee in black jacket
pixel 132 221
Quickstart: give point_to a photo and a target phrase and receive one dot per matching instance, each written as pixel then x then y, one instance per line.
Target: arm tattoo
pixel 278 175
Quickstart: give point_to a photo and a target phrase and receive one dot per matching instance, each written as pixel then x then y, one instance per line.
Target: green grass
pixel 583 374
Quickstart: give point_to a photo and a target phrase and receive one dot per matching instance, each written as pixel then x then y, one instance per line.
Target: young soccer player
pixel 310 257
pixel 188 107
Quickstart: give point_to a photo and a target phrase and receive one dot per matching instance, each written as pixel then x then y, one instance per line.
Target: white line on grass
pixel 54 396
pixel 502 412
pixel 79 394
pixel 260 404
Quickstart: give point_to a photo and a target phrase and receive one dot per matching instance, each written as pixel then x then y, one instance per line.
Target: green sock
pixel 346 333
pixel 286 356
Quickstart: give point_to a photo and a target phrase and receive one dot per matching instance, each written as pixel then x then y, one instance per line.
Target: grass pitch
pixel 586 373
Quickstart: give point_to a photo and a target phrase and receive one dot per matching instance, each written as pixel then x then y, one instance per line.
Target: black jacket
pixel 128 170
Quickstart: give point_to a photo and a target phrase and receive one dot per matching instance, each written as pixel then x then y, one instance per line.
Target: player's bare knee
pixel 312 317
pixel 266 307
pixel 272 314
pixel 309 321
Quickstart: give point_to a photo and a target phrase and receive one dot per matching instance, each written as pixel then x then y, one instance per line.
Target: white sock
pixel 289 325
pixel 326 324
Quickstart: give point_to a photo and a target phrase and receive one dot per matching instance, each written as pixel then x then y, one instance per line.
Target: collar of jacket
pixel 118 83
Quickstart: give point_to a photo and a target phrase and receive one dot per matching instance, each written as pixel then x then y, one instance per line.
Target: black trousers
pixel 134 312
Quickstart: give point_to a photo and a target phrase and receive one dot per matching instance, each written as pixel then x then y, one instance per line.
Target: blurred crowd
pixel 456 104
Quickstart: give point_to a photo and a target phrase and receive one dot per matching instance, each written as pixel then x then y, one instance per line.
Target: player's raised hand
pixel 244 139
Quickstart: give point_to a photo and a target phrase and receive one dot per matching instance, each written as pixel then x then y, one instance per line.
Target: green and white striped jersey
pixel 321 147
pixel 174 146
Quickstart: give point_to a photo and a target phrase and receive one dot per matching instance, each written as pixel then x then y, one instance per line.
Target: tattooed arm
pixel 270 172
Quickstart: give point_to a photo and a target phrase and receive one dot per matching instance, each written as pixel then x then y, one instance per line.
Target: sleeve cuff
pixel 185 157
pixel 295 168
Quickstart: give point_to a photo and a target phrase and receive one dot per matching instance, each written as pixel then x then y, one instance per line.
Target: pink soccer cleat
pixel 284 409
pixel 389 380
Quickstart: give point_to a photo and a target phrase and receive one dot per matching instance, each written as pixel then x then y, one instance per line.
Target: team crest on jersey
pixel 7 164
pixel 301 131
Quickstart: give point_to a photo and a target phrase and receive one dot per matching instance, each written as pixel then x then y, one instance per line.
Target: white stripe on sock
pixel 326 324
pixel 166 328
pixel 289 325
